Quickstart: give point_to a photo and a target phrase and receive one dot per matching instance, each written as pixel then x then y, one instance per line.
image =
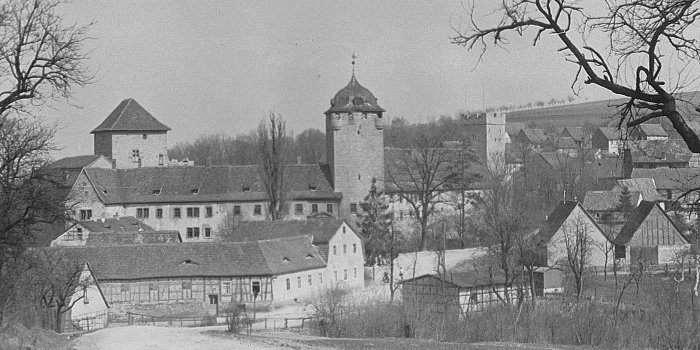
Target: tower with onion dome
pixel 354 143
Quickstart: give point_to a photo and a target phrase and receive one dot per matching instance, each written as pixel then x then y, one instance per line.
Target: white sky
pixel 205 67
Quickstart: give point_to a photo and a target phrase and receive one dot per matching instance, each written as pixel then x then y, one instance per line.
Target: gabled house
pixel 557 238
pixel 648 132
pixel 649 237
pixel 338 242
pixel 651 154
pixel 90 307
pixel 575 133
pixel 204 274
pixel 535 138
pixel 607 139
pixel 671 183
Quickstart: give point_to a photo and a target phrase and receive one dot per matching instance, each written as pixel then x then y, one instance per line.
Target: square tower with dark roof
pixel 132 138
pixel 354 144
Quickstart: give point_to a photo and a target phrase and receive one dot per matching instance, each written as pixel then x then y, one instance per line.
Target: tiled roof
pixel 554 222
pixel 610 133
pixel 513 129
pixel 605 168
pixel 115 225
pixel 652 130
pixel 566 142
pixel 104 238
pixel 638 216
pixel 575 132
pixel 606 200
pixel 659 151
pixel 130 116
pixel 322 230
pixel 557 160
pixel 679 179
pixel 354 98
pixel 204 184
pixel 534 136
pixel 645 187
pixel 77 162
pixel 141 261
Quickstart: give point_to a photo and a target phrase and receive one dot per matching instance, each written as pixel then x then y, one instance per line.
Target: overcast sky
pixel 204 67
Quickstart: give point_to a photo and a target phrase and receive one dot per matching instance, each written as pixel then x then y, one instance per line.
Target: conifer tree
pixel 375 223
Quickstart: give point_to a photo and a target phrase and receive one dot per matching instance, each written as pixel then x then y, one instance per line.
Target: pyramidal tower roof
pixel 130 116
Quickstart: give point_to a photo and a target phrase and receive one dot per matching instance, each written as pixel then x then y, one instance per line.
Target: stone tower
pixel 354 144
pixel 131 137
pixel 486 132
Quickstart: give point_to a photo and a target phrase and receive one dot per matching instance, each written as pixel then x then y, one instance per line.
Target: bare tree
pixel 420 176
pixel 273 147
pixel 504 222
pixel 644 43
pixel 578 248
pixel 42 58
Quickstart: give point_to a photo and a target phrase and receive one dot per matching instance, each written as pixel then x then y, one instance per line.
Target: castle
pixel 131 175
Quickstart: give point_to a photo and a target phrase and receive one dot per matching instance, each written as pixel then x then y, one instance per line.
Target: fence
pixel 139 319
pixel 85 323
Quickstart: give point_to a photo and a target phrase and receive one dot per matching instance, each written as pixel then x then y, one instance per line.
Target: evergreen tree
pixel 375 223
pixel 625 206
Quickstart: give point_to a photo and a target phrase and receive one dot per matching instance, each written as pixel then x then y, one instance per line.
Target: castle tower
pixel 486 132
pixel 131 137
pixel 354 143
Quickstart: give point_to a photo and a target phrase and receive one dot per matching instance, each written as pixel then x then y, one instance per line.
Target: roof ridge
pixel 121 113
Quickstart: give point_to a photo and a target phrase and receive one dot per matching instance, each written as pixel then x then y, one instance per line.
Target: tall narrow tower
pixel 485 133
pixel 354 143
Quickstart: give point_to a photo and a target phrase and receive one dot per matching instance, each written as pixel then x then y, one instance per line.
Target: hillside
pixel 596 112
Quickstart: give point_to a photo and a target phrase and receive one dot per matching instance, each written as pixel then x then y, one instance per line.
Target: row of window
pixel 192 212
pixel 193 232
pixel 299 208
pixel 345 274
pixel 309 280
pixel 345 249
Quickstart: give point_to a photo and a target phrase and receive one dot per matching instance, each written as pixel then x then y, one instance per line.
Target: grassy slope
pixel 596 112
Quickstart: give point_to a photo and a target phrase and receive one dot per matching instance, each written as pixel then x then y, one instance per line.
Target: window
pixel 195 230
pixel 207 232
pixel 190 232
pixel 345 274
pixel 144 136
pixel 142 213
pixel 310 280
pixel 193 212
pixel 335 274
pixel 159 213
pixel 298 281
pixel 314 208
pixel 255 288
pixel 153 291
pixel 335 250
pixel 354 272
pixel 345 248
pixel 135 155
pixel 194 191
pixel 85 214
pixel 209 212
pixel 156 191
pixel 329 208
pixel 226 287
pixel 79 231
pixel 176 213
pixel 187 290
pixel 320 278
pixel 353 208
pixel 236 210
pixel 85 296
pixel 354 247
pixel 160 159
pixel 257 210
pixel 298 209
pixel 289 285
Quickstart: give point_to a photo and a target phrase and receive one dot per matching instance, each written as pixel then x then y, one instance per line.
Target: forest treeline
pixel 309 146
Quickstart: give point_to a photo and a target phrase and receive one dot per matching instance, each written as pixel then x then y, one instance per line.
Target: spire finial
pixel 353 64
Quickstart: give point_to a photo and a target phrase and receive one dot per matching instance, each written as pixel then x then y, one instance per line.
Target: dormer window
pixel 156 191
pixel 312 187
pixel 309 256
pixel 285 259
pixel 194 190
pixel 187 262
pixel 246 188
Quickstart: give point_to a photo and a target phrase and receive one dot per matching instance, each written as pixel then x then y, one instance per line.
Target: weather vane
pixel 353 59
